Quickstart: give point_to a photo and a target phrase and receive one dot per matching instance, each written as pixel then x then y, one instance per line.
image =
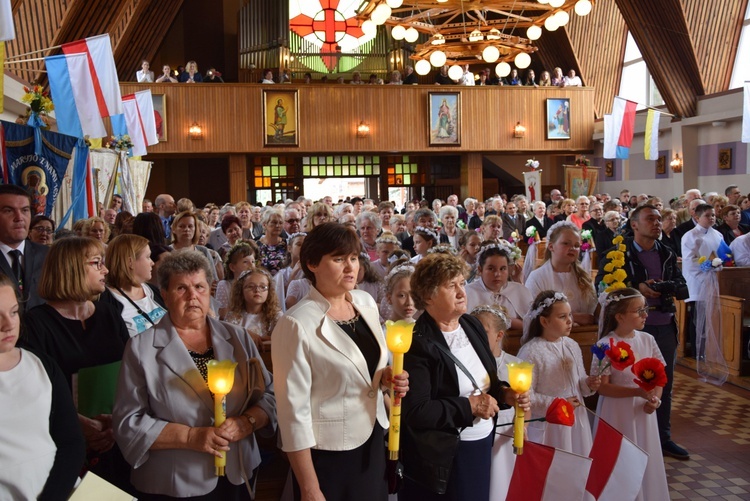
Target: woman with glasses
pixel 86 338
pixel 562 272
pixel 42 230
pixel 272 248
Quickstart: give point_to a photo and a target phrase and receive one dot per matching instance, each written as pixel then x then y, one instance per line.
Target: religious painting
pixel 160 115
pixel 445 118
pixel 558 118
pixel 609 169
pixel 725 158
pixel 580 181
pixel 281 118
pixel 661 165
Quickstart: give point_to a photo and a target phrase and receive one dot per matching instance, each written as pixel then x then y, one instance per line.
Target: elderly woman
pixel 86 338
pixel 581 215
pixel 185 236
pixel 455 409
pixel 319 214
pixel 42 447
pixel 668 224
pixel 169 436
pixel 731 228
pixel 603 239
pixel 540 221
pixel 562 272
pixel 369 225
pixel 494 286
pixel 329 358
pixel 272 249
pixel 492 228
pixel 470 205
pixel 449 216
pixel 42 230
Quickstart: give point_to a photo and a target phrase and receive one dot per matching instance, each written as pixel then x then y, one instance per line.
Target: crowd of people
pixel 189 74
pixel 127 311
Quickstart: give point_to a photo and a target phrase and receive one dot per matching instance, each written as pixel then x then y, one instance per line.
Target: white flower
pixel 531 231
pixel 717 262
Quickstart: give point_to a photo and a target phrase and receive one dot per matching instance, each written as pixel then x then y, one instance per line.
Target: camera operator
pixel 651 267
pixel 213 76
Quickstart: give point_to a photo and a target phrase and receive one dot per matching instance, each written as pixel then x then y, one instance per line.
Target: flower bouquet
pixel 588 240
pixel 532 234
pixel 532 163
pixel 618 354
pixel 120 143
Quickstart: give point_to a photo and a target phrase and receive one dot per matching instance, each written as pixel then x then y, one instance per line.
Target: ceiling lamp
pixel 494 34
pixel 583 7
pixel 491 54
pixel 455 72
pixel 411 34
pixel 522 60
pixel 422 67
pixel 437 59
pixel 556 3
pixel 394 4
pixel 476 36
pixel 369 28
pixel 398 32
pixel 534 32
pixel 551 23
pixel 437 39
pixel 502 69
pixel 562 17
pixel 543 2
pixel 381 14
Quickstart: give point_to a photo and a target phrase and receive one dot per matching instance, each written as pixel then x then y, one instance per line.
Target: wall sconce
pixel 363 130
pixel 676 163
pixel 195 131
pixel 519 130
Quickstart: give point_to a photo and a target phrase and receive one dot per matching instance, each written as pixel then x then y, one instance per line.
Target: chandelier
pixel 470 32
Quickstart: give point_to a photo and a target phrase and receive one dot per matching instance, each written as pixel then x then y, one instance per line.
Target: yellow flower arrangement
pixel 615 277
pixel 38 100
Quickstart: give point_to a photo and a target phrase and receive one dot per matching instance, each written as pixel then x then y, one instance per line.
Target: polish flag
pixel 543 473
pixel 618 467
pixel 140 122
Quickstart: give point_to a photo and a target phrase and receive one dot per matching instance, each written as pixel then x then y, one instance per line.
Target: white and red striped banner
pixel 618 467
pixel 101 64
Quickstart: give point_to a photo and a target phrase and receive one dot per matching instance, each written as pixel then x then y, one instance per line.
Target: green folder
pixel 96 389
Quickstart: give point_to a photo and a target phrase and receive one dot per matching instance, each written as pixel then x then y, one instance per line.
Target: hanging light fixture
pixel 556 3
pixel 543 2
pixel 422 67
pixel 502 69
pixel 491 54
pixel 455 72
pixel 522 60
pixel 476 36
pixel 381 14
pixel 437 39
pixel 369 28
pixel 534 32
pixel 494 34
pixel 411 34
pixel 583 7
pixel 394 4
pixel 438 59
pixel 398 32
pixel 551 23
pixel 562 17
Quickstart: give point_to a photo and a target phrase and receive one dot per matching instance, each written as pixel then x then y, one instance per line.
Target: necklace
pixel 348 323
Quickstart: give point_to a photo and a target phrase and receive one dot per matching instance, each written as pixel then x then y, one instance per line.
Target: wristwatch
pixel 252 421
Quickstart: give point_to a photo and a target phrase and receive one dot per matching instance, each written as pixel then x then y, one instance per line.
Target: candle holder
pixel 220 382
pixel 519 377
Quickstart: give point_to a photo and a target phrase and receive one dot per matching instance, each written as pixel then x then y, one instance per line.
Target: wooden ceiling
pixel 688 45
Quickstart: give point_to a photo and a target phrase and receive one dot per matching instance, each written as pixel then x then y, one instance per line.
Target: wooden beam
pixel 237 178
pixel 661 31
pixel 472 179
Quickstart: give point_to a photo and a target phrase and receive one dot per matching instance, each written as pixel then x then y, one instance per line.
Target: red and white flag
pixel 139 119
pixel 543 473
pixel 618 467
pixel 101 63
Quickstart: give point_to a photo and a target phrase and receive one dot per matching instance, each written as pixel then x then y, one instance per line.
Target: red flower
pixel 620 354
pixel 649 373
pixel 560 411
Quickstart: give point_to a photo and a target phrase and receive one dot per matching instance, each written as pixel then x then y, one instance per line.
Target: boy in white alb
pixel 700 241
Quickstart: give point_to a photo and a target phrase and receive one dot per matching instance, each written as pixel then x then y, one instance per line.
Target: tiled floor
pixel 713 423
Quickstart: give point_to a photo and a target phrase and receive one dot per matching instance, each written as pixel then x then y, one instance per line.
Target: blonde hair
pixel 178 218
pixel 585 284
pixel 64 270
pixel 88 223
pixel 119 251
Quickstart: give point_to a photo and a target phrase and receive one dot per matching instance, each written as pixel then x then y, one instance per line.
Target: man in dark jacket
pixel 651 268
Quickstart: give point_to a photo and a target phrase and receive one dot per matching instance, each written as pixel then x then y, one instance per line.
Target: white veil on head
pixel 532 314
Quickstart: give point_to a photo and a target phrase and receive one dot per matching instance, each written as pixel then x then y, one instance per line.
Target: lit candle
pixel 220 382
pixel 398 337
pixel 519 377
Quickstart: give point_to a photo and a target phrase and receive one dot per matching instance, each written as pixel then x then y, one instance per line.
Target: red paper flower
pixel 620 354
pixel 649 373
pixel 560 411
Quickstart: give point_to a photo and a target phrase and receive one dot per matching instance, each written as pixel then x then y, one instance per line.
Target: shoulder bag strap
pixel 457 362
pixel 137 308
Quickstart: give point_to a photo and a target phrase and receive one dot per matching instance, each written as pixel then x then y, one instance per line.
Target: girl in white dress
pixel 254 305
pixel 424 240
pixel 470 243
pixel 562 272
pixel 558 372
pixel 493 286
pixel 384 245
pixel 623 404
pixel 496 322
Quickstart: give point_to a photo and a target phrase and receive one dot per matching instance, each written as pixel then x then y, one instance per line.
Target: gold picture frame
pixel 445 118
pixel 661 165
pixel 609 169
pixel 725 158
pixel 280 117
pixel 160 115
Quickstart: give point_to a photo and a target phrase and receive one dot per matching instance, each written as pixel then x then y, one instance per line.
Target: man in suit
pixel 22 259
pixel 513 221
pixel 166 208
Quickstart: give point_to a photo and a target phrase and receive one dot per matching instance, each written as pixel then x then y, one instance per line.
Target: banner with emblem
pixel 533 182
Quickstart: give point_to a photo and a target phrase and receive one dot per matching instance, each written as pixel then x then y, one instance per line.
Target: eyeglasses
pixel 641 311
pixel 98 264
pixel 253 287
pixel 42 229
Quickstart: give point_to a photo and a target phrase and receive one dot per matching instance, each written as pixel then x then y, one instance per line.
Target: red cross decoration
pixel 333 26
